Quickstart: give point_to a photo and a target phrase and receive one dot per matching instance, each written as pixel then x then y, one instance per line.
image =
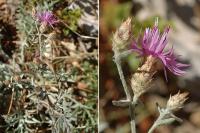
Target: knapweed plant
pixel 151 47
pixel 49 84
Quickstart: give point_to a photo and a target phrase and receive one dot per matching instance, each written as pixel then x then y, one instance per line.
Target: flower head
pixel 46 18
pixel 153 43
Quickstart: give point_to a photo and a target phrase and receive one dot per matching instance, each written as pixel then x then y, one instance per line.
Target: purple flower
pixel 153 43
pixel 47 18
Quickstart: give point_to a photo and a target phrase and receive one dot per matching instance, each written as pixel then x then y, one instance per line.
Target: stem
pixel 121 75
pixel 22 50
pixel 152 129
pixel 11 102
pixel 117 60
pixel 78 34
pixel 132 115
pixel 40 46
pixel 125 53
pixel 39 39
pixel 157 122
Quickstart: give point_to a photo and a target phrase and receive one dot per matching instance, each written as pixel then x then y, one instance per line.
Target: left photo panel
pixel 49 66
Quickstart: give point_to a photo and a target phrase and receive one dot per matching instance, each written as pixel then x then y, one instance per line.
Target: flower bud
pixel 123 35
pixel 176 102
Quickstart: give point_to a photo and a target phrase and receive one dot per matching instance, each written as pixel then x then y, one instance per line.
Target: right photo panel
pixel 149 76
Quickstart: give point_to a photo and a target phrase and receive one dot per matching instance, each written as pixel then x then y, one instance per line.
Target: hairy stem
pixel 40 45
pixel 154 126
pixel 39 40
pixel 157 122
pixel 121 75
pixel 22 50
pixel 132 115
pixel 11 102
pixel 117 60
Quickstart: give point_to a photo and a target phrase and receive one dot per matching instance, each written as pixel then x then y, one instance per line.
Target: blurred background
pixel 184 18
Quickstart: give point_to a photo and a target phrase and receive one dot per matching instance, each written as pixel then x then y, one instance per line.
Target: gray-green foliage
pixel 39 98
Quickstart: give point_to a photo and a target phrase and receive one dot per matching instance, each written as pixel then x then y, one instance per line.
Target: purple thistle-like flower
pixel 153 43
pixel 47 18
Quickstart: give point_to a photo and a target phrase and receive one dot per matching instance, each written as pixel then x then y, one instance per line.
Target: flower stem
pixel 22 50
pixel 117 61
pixel 157 122
pixel 40 45
pixel 155 125
pixel 39 40
pixel 132 115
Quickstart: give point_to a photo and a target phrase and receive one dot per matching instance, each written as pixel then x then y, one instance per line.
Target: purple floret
pixel 153 43
pixel 47 18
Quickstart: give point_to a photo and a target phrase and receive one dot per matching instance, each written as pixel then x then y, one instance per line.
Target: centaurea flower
pixel 46 18
pixel 153 44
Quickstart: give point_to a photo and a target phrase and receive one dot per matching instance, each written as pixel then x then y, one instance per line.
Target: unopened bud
pixel 123 35
pixel 176 102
